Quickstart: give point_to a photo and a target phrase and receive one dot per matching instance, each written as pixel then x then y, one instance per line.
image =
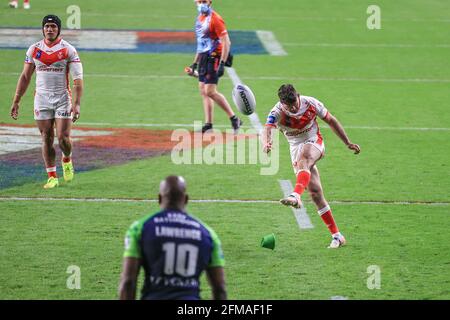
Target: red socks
pixel 51 171
pixel 327 217
pixel 302 181
pixel 66 159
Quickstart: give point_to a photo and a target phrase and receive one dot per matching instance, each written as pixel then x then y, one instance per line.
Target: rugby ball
pixel 244 99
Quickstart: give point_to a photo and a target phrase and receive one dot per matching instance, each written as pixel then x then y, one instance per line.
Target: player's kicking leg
pixel 324 210
pixel 46 127
pixel 63 127
pixel 309 154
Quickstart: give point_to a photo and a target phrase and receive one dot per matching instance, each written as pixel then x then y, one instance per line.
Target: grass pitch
pixel 389 87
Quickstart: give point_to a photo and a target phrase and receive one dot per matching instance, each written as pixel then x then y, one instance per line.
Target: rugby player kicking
pixel 295 115
pixel 53 59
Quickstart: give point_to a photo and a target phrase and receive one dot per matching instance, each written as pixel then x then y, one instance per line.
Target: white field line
pixel 336 202
pixel 301 216
pixel 254 119
pixel 188 125
pixel 338 298
pixel 265 18
pixel 365 45
pixel 270 43
pixel 263 78
pixel 350 79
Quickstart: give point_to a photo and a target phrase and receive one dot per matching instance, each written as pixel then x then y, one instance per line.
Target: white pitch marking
pixel 350 79
pixel 14 139
pixel 81 39
pixel 262 78
pixel 187 125
pixel 338 298
pixel 365 45
pixel 295 17
pixel 271 43
pixel 301 216
pixel 336 202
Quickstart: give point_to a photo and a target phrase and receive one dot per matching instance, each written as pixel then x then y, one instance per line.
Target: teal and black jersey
pixel 175 248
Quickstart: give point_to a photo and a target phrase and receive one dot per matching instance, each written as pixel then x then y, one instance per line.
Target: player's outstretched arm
pixel 267 139
pixel 338 129
pixel 216 279
pixel 128 280
pixel 22 86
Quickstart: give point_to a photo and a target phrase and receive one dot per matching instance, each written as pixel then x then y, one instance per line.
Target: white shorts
pixel 297 149
pixel 52 105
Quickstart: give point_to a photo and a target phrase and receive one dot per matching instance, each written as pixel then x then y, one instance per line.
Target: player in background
pixel 173 248
pixel 295 115
pixel 213 48
pixel 15 4
pixel 53 59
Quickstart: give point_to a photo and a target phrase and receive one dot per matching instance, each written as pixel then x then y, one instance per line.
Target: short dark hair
pixel 287 94
pixel 51 18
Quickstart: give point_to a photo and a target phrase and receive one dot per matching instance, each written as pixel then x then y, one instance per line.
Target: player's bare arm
pixel 226 42
pixel 226 45
pixel 338 129
pixel 267 139
pixel 22 86
pixel 216 278
pixel 78 89
pixel 193 67
pixel 128 280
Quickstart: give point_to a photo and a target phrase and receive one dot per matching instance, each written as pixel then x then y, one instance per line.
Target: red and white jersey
pixel 301 126
pixel 52 65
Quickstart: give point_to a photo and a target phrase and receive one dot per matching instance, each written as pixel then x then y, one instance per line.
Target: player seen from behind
pixel 173 248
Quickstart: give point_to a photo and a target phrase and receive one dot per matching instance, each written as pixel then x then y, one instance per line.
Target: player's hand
pixel 354 147
pixel 75 111
pixel 267 147
pixel 15 110
pixel 193 68
pixel 221 69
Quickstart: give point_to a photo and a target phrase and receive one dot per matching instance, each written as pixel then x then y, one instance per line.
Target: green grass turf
pixel 44 241
pixel 407 242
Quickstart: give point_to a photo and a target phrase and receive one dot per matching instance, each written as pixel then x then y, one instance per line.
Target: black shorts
pixel 207 68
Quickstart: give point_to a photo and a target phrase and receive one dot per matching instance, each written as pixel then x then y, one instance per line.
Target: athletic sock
pixel 233 118
pixel 327 218
pixel 51 171
pixel 302 181
pixel 26 1
pixel 66 159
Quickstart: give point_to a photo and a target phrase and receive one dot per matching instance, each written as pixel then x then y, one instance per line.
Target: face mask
pixel 203 8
